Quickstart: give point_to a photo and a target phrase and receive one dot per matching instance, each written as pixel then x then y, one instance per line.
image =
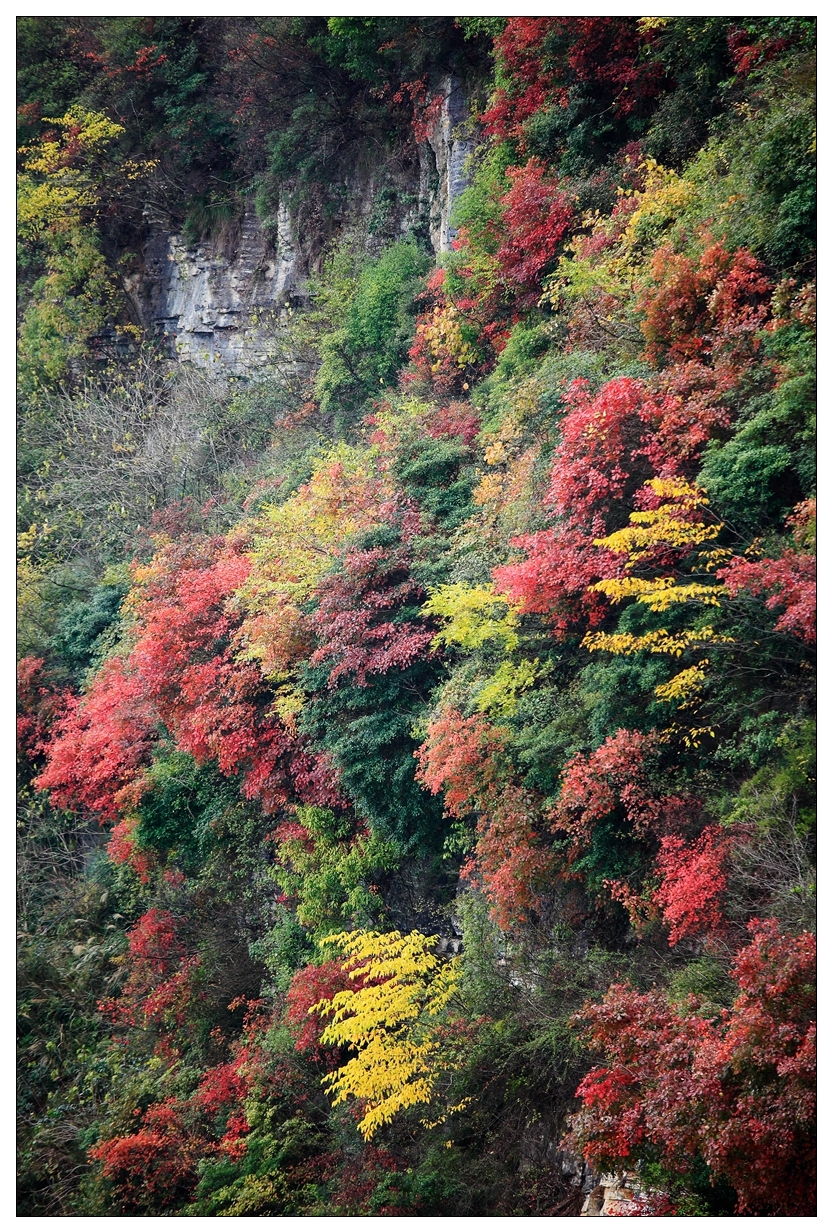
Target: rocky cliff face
pixel 450 149
pixel 219 303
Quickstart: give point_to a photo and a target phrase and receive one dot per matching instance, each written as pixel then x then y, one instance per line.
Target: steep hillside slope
pixel 417 616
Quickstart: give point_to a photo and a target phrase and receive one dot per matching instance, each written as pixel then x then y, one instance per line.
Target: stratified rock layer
pixel 220 302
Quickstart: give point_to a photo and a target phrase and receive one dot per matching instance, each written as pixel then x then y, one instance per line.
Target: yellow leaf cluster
pixel 713 558
pixel 506 492
pixel 658 641
pixel 387 1022
pixel 667 525
pixel 663 199
pixel 89 131
pixel 293 545
pixel 473 616
pixel 691 737
pixel 672 524
pixel 684 687
pixel 54 190
pixel 443 335
pixel 501 690
pixel 658 593
pixel 498 445
pixel 651 23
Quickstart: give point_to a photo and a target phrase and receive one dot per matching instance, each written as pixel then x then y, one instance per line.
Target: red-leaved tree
pixel 543 59
pixel 465 758
pixel 358 622
pixel 737 1090
pixel 183 677
pixel 618 775
pixel 789 584
pixel 537 215
pixel 693 883
pixel 601 462
pixel 40 705
pixel 102 745
pixel 715 306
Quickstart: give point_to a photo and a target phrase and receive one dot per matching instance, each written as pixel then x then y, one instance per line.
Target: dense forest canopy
pixel 417 732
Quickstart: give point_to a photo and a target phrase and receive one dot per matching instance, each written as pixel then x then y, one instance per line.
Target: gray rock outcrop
pixel 219 303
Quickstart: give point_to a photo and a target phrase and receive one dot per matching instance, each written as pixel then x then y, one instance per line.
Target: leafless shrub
pixel 773 868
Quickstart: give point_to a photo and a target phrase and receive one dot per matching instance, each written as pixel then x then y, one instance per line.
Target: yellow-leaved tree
pixel 472 615
pixel 293 546
pixel 389 1022
pixel 477 616
pixel 678 523
pixel 70 289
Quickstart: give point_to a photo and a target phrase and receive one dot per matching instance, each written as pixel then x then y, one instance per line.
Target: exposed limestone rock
pixel 616 1195
pixel 451 151
pixel 216 308
pixel 220 302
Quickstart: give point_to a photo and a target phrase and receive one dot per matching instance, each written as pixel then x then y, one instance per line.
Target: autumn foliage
pixel 462 757
pixel 738 1089
pixel 181 677
pixel 536 215
pixel 404 758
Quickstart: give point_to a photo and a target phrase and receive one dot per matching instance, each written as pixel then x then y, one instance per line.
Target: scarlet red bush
pixel 154 1169
pixel 738 1090
pixel 788 582
pixel 617 775
pixel 183 676
pixel 463 758
pixel 598 465
pixel 537 215
pixel 715 307
pixel 162 987
pixel 693 883
pixel 102 744
pixel 310 985
pixel 358 623
pixel 543 59
pixel 40 704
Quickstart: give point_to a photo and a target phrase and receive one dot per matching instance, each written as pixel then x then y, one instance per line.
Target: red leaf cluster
pixel 530 86
pixel 788 582
pixel 350 624
pixel 462 757
pixel 163 982
pixel 597 467
pixel 309 986
pixel 102 744
pixel 711 308
pixel 749 53
pixel 611 443
pixel 537 215
pixel 40 704
pixel 156 1167
pixel 738 1090
pixel 693 883
pixel 617 775
pixel 541 59
pixel 457 419
pixel 609 52
pixel 182 677
pixel 123 848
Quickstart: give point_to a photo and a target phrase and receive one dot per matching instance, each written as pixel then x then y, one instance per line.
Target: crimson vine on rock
pixel 416 699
